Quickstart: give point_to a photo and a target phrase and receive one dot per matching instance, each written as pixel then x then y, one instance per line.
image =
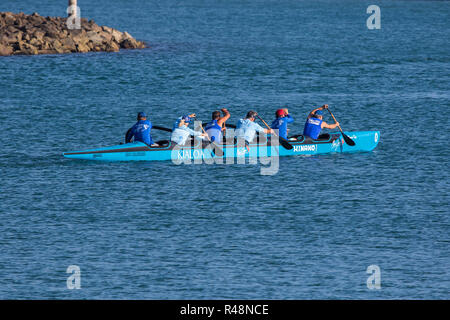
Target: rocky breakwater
pixel 34 34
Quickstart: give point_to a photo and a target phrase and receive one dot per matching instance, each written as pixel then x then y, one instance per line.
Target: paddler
pixel 216 126
pixel 246 128
pixel 141 131
pixel 282 118
pixel 181 132
pixel 314 123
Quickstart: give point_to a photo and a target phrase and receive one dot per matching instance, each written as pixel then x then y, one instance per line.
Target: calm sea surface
pixel 162 231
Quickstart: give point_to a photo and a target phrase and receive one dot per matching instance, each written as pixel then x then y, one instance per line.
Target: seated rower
pixel 141 131
pixel 247 128
pixel 282 119
pixel 181 132
pixel 314 123
pixel 216 126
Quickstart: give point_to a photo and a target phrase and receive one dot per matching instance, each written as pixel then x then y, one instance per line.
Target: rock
pixel 6 50
pixel 126 35
pixel 46 43
pixel 80 38
pixel 94 37
pixel 54 44
pixel 26 48
pixel 9 18
pixel 131 43
pixel 39 34
pixel 69 44
pixel 51 31
pixel 128 44
pixel 83 48
pixel 37 43
pixel 112 47
pixel 35 20
pixel 106 37
pixel 47 51
pixel 34 34
pixel 20 22
pixel 107 29
pixel 117 36
pixel 12 29
pixel 92 27
pixel 13 36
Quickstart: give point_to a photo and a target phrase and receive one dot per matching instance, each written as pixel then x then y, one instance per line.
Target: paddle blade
pixel 347 140
pixel 285 143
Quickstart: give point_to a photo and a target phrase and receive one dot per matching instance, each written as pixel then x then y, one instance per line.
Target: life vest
pixel 214 131
pixel 313 126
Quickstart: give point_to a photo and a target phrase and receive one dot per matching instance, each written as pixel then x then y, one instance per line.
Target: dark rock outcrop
pixel 33 34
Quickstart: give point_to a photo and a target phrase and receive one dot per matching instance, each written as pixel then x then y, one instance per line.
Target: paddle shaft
pixel 283 141
pixel 216 147
pixel 266 125
pixel 347 139
pixel 339 126
pixel 207 135
pixel 162 128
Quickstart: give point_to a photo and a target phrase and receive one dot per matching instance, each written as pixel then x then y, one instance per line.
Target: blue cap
pixel 186 118
pixel 318 113
pixel 142 115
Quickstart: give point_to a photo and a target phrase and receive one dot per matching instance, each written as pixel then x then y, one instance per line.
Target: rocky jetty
pixel 33 34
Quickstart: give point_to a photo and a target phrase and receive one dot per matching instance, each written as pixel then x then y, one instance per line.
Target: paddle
pixel 217 150
pixel 232 126
pixel 283 141
pixel 162 128
pixel 347 139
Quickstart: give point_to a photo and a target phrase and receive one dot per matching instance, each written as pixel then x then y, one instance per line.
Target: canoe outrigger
pixel 137 151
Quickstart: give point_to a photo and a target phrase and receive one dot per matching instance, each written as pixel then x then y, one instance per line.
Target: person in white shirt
pixel 181 131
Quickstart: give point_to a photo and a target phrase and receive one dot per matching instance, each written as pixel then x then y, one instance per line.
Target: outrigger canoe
pixel 137 151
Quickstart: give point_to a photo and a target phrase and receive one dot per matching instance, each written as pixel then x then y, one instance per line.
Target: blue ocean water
pixel 161 231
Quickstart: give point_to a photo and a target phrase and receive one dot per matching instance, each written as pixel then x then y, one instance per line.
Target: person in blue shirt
pixel 247 128
pixel 282 119
pixel 181 132
pixel 216 126
pixel 314 123
pixel 141 131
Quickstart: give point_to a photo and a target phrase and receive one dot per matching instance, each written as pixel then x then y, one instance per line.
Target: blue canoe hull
pixel 137 151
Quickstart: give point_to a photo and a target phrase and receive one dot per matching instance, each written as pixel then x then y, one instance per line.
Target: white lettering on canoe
pixel 307 147
pixel 231 152
pixel 335 145
pixel 190 154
